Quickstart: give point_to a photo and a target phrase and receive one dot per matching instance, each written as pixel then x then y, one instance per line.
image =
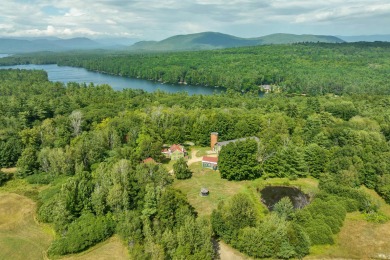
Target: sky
pixel 159 19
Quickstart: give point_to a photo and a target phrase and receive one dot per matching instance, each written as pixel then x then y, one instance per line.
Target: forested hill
pixel 215 40
pixel 8 45
pixel 312 68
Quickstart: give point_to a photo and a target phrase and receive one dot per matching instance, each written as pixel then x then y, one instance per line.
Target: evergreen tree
pixel 180 168
pixel 284 208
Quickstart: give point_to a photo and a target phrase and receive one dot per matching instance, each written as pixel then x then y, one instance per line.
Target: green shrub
pixel 264 240
pixel 376 217
pixel 349 204
pixel 83 233
pixel 302 216
pixel 363 200
pixel 319 232
pixel 331 212
pixel 333 223
pixel 40 178
pixel 299 239
pixel 384 191
pixel 4 177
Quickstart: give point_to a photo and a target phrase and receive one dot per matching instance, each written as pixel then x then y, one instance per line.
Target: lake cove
pixel 271 195
pixel 67 74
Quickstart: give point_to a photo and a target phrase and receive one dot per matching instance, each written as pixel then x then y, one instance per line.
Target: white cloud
pixel 347 11
pixel 73 12
pixel 158 19
pixel 55 31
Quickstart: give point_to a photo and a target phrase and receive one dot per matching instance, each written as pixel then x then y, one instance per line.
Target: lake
pixel 67 74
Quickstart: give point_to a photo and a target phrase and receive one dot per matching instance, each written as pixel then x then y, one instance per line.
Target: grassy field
pixel 359 239
pixel 219 189
pixel 21 237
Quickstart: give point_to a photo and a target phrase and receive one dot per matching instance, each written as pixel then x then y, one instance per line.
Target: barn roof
pixel 210 159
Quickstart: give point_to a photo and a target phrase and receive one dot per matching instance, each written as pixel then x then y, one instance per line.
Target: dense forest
pixel 310 68
pixel 87 144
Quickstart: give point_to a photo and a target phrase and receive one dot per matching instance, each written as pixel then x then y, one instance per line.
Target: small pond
pixel 271 195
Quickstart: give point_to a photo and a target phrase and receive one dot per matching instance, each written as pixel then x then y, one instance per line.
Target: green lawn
pixel 221 189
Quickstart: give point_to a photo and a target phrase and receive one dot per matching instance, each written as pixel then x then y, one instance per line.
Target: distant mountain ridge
pixel 215 40
pixel 366 38
pixel 9 45
pixel 197 41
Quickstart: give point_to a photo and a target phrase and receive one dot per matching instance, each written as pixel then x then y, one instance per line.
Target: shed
pixel 210 162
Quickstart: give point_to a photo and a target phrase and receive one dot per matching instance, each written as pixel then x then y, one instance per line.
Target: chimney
pixel 213 140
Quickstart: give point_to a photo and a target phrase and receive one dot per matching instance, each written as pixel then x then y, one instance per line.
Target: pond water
pixel 271 195
pixel 67 74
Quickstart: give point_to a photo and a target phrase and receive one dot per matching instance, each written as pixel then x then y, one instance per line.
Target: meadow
pixel 23 237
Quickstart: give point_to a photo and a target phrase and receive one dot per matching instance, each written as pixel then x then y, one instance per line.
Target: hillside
pixel 366 38
pixel 285 38
pixel 197 41
pixel 214 40
pixel 8 45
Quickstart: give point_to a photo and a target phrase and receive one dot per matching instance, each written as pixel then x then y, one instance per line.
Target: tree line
pixel 305 68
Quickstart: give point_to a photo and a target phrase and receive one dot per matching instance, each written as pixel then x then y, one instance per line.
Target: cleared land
pixel 21 237
pixel 219 189
pixel 359 239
